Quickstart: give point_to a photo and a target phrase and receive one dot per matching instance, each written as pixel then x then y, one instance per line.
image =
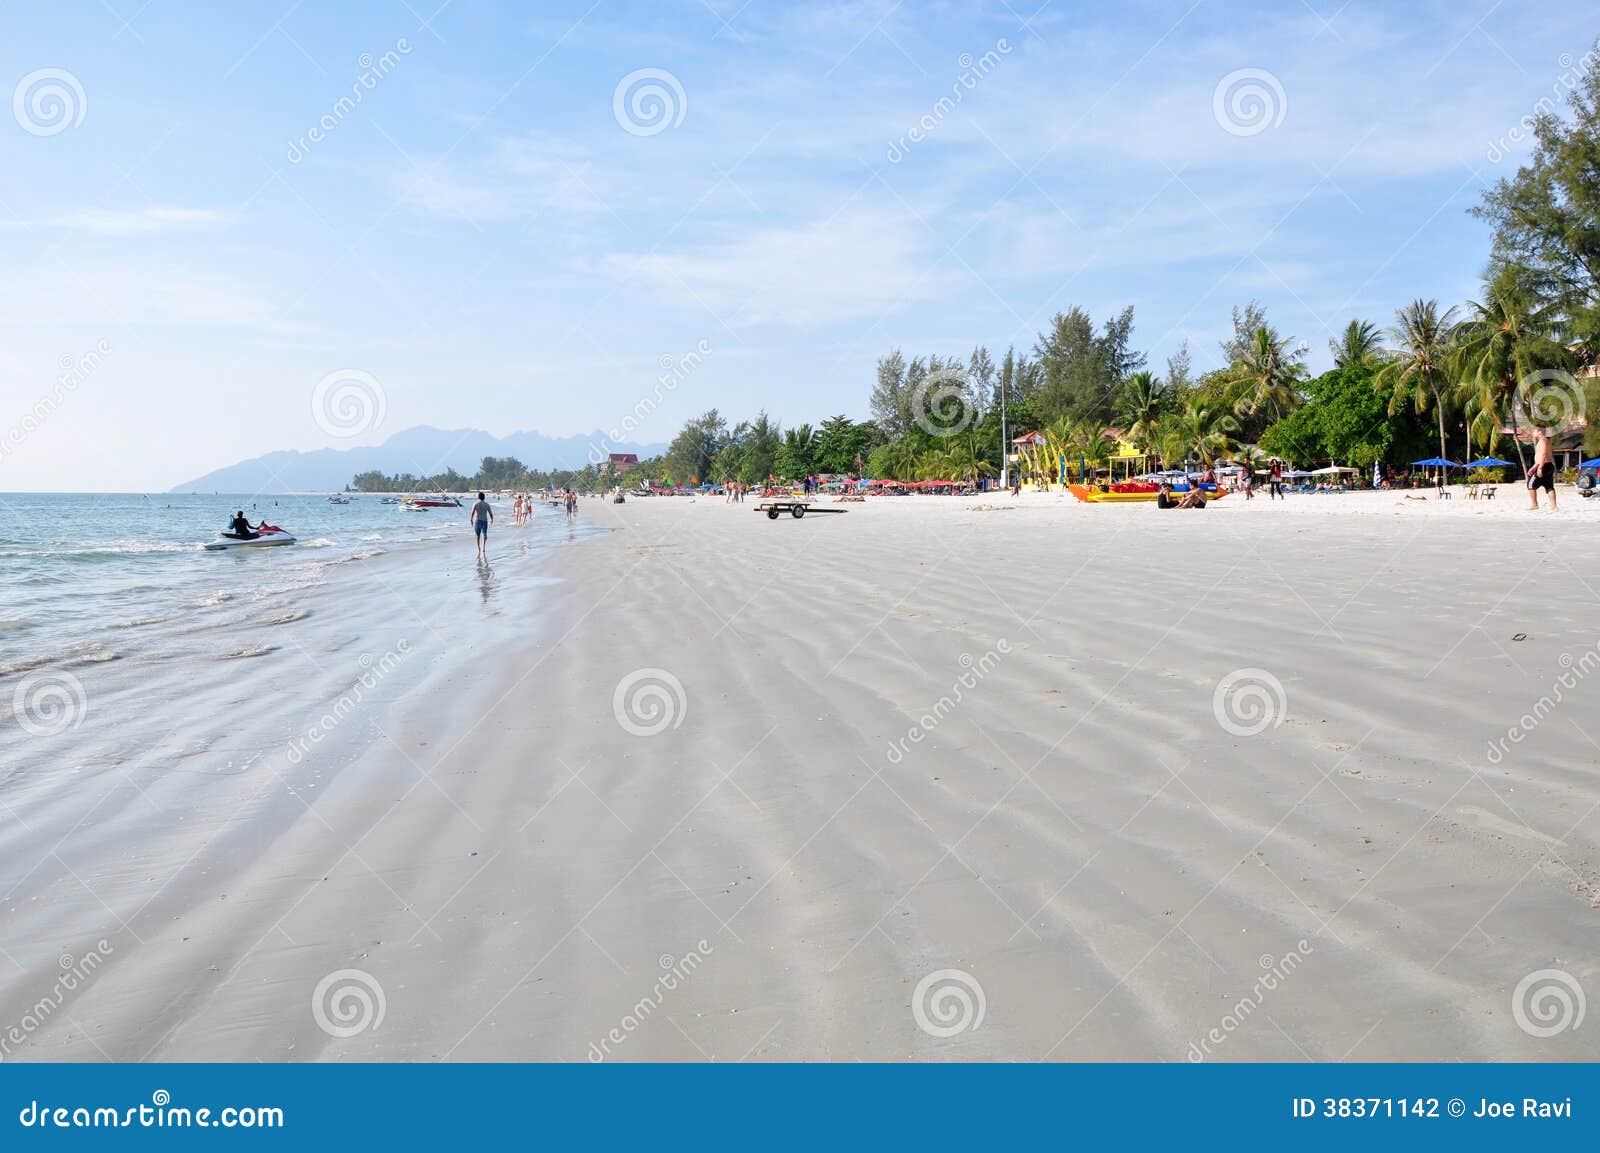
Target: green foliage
pixel 495 472
pixel 1081 370
pixel 688 458
pixel 1546 218
pixel 1347 419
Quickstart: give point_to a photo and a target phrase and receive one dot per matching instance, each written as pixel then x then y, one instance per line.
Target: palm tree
pixel 902 457
pixel 963 460
pixel 1266 375
pixel 1501 346
pixel 1204 431
pixel 1144 399
pixel 1418 369
pixel 1359 346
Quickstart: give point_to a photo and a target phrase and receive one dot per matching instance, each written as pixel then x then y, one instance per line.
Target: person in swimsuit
pixel 1543 473
pixel 482 518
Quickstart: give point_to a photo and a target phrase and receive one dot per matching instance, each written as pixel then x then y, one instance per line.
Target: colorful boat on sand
pixel 1130 492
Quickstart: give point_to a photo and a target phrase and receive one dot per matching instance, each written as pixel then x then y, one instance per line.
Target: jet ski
pixel 268 536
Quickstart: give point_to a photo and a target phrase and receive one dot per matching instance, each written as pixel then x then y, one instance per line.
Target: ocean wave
pixel 141 622
pixel 245 653
pixel 96 657
pixel 92 551
pixel 317 542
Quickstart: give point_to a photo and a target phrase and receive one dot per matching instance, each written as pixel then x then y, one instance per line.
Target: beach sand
pixel 937 779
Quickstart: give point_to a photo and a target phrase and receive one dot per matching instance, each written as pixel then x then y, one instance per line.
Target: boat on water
pixel 264 539
pixel 420 502
pixel 338 500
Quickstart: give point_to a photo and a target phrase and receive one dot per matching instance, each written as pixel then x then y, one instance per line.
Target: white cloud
pixel 99 294
pixel 823 273
pixel 142 221
pixel 524 177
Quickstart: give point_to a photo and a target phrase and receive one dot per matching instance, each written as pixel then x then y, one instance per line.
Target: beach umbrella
pixel 1435 462
pixel 1488 462
pixel 1595 463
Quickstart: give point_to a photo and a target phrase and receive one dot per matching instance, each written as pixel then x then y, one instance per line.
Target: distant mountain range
pixel 422 450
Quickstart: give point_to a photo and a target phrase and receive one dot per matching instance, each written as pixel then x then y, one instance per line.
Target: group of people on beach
pixel 522 507
pixel 734 490
pixel 482 514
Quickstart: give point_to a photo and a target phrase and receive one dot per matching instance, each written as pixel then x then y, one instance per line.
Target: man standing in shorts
pixel 482 518
pixel 1543 473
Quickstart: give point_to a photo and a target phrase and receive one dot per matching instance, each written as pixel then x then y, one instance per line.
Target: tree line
pixel 1437 378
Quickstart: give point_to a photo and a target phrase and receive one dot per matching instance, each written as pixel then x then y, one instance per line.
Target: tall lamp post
pixel 1005 443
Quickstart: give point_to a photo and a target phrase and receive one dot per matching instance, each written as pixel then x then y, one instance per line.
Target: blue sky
pixel 497 237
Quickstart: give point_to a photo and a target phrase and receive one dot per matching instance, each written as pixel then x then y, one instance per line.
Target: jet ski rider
pixel 239 527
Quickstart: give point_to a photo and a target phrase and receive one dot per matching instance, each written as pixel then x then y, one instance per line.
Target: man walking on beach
pixel 482 517
pixel 1543 473
pixel 1275 475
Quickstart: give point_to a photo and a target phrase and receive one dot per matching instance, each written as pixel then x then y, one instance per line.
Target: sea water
pixel 88 578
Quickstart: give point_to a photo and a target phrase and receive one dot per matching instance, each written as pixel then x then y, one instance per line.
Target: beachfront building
pixel 622 462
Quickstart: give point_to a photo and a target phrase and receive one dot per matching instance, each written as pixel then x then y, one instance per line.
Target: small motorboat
pixel 338 500
pixel 431 502
pixel 269 536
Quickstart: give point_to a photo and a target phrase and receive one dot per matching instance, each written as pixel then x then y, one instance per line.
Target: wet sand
pixel 980 779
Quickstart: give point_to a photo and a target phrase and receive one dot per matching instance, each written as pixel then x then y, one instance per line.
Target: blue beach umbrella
pixel 1595 463
pixel 1435 462
pixel 1488 462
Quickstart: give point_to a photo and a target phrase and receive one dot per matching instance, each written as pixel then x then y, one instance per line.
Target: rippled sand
pixel 935 779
